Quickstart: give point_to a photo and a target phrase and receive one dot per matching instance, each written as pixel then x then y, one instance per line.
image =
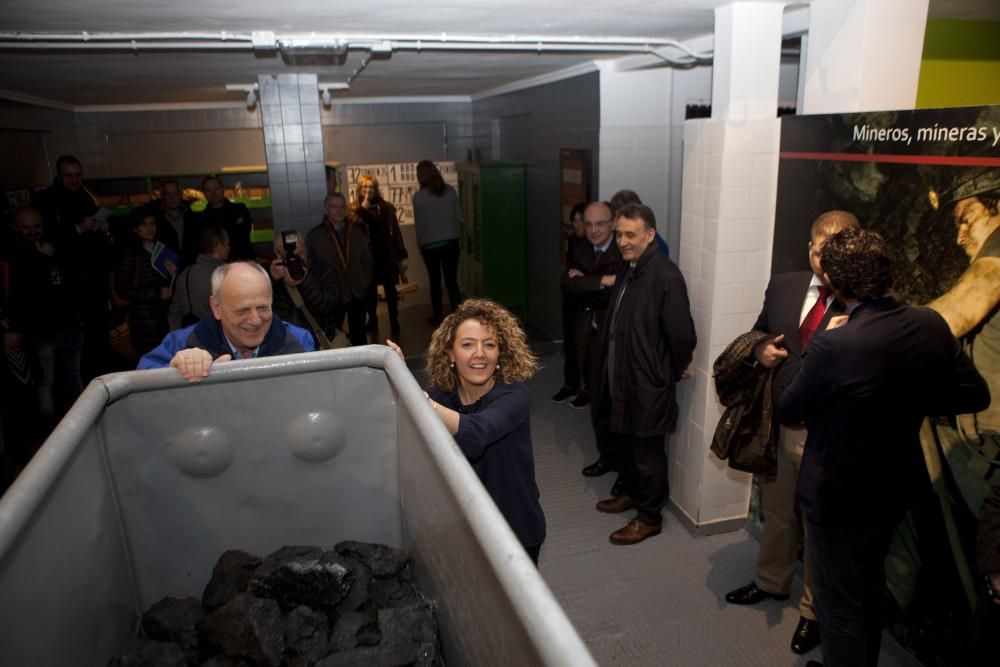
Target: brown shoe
pixel 616 505
pixel 635 531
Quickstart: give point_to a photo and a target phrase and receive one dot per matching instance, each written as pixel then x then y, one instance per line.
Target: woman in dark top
pixel 386 244
pixel 477 364
pixel 147 291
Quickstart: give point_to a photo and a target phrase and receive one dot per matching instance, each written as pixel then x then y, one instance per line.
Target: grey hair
pixel 220 273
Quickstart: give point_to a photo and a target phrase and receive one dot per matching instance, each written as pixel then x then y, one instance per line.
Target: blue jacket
pixel 207 334
pixel 495 435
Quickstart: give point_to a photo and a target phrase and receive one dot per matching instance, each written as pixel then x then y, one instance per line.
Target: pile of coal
pixel 354 605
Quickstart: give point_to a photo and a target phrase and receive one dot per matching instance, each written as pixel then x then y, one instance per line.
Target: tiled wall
pixel 293 141
pixel 727 220
pixel 539 121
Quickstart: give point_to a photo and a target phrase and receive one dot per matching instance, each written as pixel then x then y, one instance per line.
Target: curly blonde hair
pixel 516 363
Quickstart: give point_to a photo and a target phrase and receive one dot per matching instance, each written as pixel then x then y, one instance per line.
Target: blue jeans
pixel 848 563
pixel 59 359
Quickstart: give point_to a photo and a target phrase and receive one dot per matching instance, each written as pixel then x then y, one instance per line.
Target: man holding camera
pixel 315 283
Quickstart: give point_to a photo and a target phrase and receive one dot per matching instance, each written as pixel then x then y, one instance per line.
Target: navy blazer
pixel 863 391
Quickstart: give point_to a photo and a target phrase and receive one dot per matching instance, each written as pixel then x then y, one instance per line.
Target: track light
pixel 251 99
pixel 249 88
pixel 326 98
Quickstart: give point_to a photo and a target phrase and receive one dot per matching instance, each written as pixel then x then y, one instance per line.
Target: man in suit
pixel 647 341
pixel 864 388
pixel 788 302
pixel 592 271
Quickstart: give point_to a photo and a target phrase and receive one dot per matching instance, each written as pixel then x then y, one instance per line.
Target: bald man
pixel 241 326
pixel 796 305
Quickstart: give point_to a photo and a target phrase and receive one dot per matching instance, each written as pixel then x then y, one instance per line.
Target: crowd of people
pixel 853 371
pixel 85 293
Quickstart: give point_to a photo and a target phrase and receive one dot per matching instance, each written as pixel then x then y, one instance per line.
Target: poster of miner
pixel 929 181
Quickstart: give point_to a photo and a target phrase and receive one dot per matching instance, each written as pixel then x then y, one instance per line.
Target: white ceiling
pixel 92 77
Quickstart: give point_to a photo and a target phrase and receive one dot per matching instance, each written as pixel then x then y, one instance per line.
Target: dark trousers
pixel 609 447
pixel 848 564
pixel 571 356
pixel 391 298
pixel 356 322
pixel 644 474
pixel 443 258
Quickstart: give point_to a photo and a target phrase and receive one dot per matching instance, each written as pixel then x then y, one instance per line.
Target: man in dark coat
pixel 219 211
pixel 343 245
pixel 788 303
pixel 173 216
pixel 649 340
pixel 864 388
pixel 589 281
pixel 69 211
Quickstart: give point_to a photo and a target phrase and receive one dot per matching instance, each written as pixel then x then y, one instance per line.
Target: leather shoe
pixel 597 468
pixel 750 594
pixel 616 505
pixel 635 531
pixel 806 636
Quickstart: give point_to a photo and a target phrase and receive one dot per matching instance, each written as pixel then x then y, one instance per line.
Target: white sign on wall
pixel 397 181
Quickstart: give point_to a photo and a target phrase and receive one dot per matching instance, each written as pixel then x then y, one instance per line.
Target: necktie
pixel 809 325
pixel 597 256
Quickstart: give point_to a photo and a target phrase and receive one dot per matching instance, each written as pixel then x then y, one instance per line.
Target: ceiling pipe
pixel 382 44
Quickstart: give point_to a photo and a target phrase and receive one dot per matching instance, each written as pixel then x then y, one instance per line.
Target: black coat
pixel 586 291
pixel 138 282
pixel 234 218
pixel 654 343
pixel 384 239
pixel 863 391
pixel 320 293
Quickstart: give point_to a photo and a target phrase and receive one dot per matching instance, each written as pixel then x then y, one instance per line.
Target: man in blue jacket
pixel 241 326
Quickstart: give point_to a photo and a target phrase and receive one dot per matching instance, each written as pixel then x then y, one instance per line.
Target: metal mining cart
pixel 148 480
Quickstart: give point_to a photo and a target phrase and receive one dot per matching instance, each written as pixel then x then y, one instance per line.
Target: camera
pixel 290 242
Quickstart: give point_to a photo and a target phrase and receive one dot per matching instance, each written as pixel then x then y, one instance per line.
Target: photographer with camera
pixel 304 287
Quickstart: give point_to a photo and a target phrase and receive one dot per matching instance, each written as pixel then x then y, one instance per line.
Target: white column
pixel 747 58
pixel 863 55
pixel 727 218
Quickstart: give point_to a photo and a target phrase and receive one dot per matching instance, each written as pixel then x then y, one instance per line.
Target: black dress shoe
pixel 750 594
pixel 806 636
pixel 597 469
pixel 564 395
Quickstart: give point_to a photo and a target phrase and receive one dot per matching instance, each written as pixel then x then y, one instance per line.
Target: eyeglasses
pixel 596 224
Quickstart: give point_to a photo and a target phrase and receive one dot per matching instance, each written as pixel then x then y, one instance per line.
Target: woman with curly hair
pixel 477 364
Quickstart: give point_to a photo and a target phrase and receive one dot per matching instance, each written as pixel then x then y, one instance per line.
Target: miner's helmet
pixel 971 184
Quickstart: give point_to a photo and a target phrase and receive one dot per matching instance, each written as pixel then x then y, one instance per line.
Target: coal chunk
pixel 247 628
pixel 306 636
pixel 174 619
pixel 303 576
pixel 384 593
pixel 383 561
pixel 345 631
pixel 230 577
pixel 408 637
pixel 141 652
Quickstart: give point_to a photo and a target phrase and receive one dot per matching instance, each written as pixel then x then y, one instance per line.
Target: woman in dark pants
pixel 438 214
pixel 386 244
pixel 477 363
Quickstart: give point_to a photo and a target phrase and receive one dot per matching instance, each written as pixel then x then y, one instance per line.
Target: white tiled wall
pixel 727 218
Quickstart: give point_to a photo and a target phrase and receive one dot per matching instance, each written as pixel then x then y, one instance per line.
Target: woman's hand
pixel 395 348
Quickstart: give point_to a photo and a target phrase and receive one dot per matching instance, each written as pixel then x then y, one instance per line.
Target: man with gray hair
pixel 241 326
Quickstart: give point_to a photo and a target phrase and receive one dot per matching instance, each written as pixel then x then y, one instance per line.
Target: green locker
pixel 492 261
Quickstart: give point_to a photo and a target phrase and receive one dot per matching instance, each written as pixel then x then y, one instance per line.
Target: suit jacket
pixel 863 391
pixel 780 315
pixel 586 291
